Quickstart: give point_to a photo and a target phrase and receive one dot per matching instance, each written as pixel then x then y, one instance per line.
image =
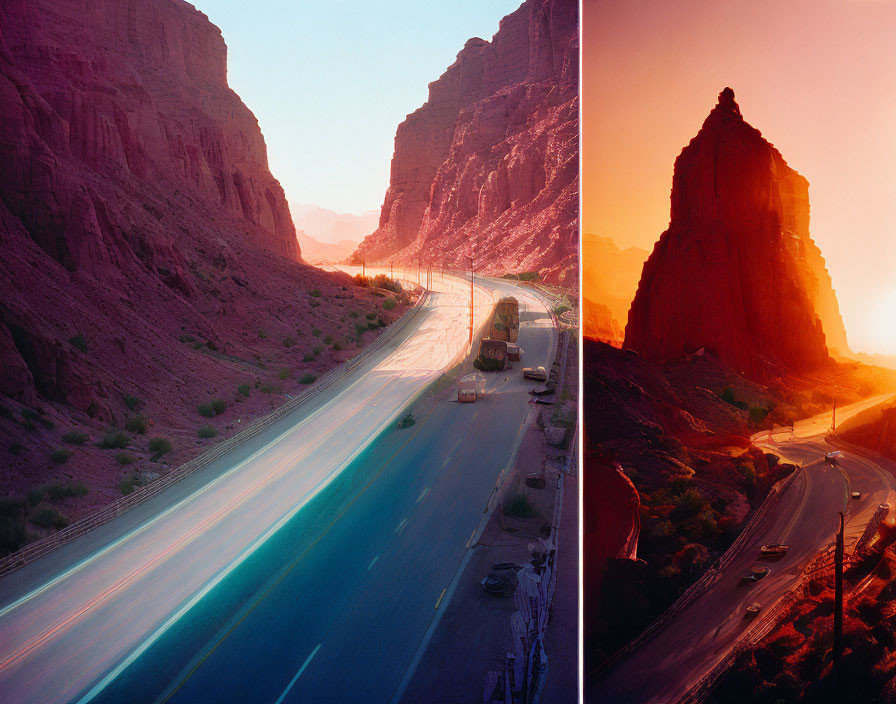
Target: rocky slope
pixel 737 272
pixel 149 261
pixel 488 166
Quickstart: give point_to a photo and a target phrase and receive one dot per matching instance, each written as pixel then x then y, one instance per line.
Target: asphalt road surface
pixel 689 645
pixel 304 566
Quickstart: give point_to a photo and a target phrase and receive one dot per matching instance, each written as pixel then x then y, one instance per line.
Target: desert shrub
pixel 285 373
pixel 529 276
pixel 360 329
pixel 758 414
pixel 186 338
pixel 520 507
pixel 488 364
pixel 132 402
pixel 124 458
pixel 218 405
pixel 159 446
pixel 371 316
pixel 243 389
pixel 79 342
pixel 206 410
pixel 267 388
pixel 127 484
pixel 289 341
pixel 314 293
pixel 75 437
pixel 211 345
pixel 407 420
pixel 337 346
pixel 727 395
pixel 316 332
pixel 328 340
pixel 389 304
pixel 61 490
pixel 60 455
pixel 354 314
pixel 383 281
pixel 115 439
pixel 48 517
pixel 309 357
pixel 317 350
pixel 689 504
pixel 29 413
pixel 262 335
pixel 307 378
pixel 206 431
pixel 136 424
pixel 512 277
pixel 362 280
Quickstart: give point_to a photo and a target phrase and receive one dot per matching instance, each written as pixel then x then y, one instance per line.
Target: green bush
pixel 314 293
pixel 284 373
pixel 758 414
pixel 79 342
pixel 389 304
pixel 207 431
pixel 727 395
pixel 60 455
pixel 127 484
pixel 206 410
pixel 354 314
pixel 315 332
pixel 29 413
pixel 124 458
pixel 243 389
pixel 289 341
pixel 337 346
pixel 185 339
pixel 48 517
pixel 159 446
pixel 308 357
pixel 136 424
pixel 383 281
pixel 61 490
pixel 407 420
pixel 75 437
pixel 520 507
pixel 328 340
pixel 307 378
pixel 132 402
pixel 262 335
pixel 488 364
pixel 360 329
pixel 529 276
pixel 317 350
pixel 115 439
pixel 267 388
pixel 218 405
pixel 371 316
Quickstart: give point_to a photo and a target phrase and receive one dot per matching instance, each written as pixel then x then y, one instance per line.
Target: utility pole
pixel 838 606
pixel 363 269
pixel 471 303
pixel 834 415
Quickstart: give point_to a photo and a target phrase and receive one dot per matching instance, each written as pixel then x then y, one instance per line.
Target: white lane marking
pixel 298 674
pixel 440 597
pixel 447 460
pixel 404 522
pixel 372 563
pixel 422 494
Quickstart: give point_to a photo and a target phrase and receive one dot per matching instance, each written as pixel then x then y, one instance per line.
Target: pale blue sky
pixel 329 81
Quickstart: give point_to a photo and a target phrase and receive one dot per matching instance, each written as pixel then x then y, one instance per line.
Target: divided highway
pixel 668 665
pixel 307 564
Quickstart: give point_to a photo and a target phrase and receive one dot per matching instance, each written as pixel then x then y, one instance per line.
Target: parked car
pixel 536 373
pixel 753 609
pixel 856 494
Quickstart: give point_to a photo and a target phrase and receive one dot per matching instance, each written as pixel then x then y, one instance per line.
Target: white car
pixel 856 494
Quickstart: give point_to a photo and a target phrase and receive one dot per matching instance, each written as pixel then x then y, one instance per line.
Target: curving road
pixel 306 565
pixel 687 647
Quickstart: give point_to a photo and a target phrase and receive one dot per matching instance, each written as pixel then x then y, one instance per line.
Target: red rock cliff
pixel 489 165
pixel 737 271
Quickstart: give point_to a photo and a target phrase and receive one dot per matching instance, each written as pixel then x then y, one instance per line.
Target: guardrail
pixel 41 547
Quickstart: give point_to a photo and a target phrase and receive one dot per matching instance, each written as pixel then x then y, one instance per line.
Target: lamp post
pixel 471 303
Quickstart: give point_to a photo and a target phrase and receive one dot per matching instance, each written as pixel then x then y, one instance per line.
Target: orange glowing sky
pixel 816 77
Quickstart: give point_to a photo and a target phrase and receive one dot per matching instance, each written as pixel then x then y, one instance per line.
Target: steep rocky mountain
pixel 488 166
pixel 329 227
pixel 737 272
pixel 610 278
pixel 149 261
pixel 316 252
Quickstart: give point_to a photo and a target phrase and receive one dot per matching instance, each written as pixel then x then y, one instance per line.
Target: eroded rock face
pixel 489 164
pixel 736 272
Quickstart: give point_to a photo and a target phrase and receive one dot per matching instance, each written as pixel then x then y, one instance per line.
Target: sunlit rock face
pixel 736 272
pixel 489 164
pixel 136 204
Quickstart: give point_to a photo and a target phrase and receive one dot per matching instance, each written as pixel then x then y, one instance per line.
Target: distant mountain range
pixel 329 227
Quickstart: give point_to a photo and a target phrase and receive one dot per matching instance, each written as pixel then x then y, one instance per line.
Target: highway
pixel 306 565
pixel 689 645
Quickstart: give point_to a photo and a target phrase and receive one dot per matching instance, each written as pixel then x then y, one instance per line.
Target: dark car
pixel 756 573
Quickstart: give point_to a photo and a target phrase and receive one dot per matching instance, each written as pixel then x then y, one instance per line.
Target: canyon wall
pixel 736 272
pixel 488 166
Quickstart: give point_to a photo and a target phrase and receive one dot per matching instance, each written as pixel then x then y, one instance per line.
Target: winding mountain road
pixel 689 645
pixel 304 565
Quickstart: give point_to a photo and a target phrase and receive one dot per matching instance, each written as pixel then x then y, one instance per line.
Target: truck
pixel 514 352
pixel 505 323
pixel 535 373
pixel 492 356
